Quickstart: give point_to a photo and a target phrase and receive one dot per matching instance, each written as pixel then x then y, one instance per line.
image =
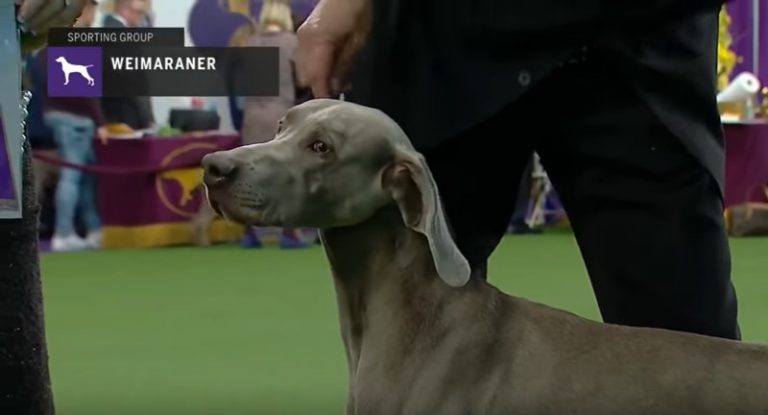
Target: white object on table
pixel 744 86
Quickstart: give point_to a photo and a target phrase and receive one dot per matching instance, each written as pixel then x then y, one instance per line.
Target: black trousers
pixel 647 216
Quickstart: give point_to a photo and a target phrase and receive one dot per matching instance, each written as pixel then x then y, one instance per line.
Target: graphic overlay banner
pixel 202 72
pixel 75 72
pixel 10 114
pixel 110 37
pixel 99 63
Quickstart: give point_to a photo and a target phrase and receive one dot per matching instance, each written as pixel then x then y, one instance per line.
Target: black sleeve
pixel 590 15
pixel 560 20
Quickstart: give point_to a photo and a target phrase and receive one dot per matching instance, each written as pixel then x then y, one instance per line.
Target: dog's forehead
pixel 346 119
pixel 302 111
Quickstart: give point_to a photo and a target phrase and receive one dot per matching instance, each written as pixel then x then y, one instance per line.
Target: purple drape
pixel 745 167
pixel 7 191
pixel 155 198
pixel 210 24
pixel 742 29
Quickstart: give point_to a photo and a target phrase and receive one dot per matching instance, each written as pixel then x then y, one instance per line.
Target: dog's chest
pixel 416 389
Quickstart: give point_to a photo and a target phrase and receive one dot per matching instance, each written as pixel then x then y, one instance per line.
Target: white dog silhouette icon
pixel 70 68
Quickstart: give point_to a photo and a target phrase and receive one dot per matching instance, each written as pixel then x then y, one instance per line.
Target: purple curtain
pixel 210 24
pixel 742 30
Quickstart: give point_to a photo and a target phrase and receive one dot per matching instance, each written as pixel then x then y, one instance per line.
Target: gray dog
pixel 421 337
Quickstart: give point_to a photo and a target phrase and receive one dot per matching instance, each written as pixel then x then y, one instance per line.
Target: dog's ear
pixel 411 185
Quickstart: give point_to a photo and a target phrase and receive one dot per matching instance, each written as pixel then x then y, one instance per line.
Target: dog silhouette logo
pixel 70 68
pixel 180 190
pixel 74 72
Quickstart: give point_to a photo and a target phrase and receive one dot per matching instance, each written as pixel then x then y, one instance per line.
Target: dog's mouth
pixel 215 206
pixel 245 212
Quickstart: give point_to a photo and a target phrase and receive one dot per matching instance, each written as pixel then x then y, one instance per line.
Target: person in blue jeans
pixel 75 122
pixel 74 136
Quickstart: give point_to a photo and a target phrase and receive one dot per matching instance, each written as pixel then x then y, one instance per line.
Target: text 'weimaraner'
pixel 421 337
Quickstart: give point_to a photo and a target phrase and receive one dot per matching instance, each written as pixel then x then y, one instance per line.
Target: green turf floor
pixel 227 331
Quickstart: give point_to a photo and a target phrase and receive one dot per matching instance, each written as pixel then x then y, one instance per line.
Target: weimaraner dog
pixel 421 337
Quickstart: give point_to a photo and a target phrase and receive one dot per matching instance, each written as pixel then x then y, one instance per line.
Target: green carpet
pixel 227 331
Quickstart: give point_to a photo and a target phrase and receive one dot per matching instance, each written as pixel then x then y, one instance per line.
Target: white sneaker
pixel 94 239
pixel 69 243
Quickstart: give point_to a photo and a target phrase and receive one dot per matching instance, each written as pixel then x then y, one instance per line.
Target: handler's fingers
pixel 40 15
pixel 320 82
pixel 34 13
pixel 314 63
pixel 350 50
pixel 70 15
pixel 345 60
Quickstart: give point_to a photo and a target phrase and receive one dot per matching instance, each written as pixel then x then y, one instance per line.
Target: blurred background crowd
pixel 123 172
pixel 68 135
pixel 71 130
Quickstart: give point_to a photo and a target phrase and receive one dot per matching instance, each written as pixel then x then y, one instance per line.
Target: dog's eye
pixel 320 147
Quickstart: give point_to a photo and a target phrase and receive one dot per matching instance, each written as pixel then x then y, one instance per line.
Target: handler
pixel 618 99
pixel 24 377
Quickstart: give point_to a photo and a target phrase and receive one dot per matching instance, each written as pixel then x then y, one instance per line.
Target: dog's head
pixel 61 59
pixel 333 164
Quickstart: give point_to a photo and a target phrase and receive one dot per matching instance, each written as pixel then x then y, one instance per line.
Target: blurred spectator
pixel 261 115
pixel 237 103
pixel 74 123
pixel 519 226
pixel 149 17
pixel 301 94
pixel 136 112
pixel 127 13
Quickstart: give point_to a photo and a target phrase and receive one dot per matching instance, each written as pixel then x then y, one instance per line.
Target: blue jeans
pixel 74 137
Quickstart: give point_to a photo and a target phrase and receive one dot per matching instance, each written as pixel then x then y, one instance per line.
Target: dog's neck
pixel 388 290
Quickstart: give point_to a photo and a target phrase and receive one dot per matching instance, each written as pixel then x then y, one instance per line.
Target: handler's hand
pixel 329 41
pixel 102 134
pixel 41 15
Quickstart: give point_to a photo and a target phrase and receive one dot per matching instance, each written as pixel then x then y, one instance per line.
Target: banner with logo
pixel 154 205
pixel 10 114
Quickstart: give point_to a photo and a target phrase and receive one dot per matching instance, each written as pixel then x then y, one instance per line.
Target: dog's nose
pixel 219 168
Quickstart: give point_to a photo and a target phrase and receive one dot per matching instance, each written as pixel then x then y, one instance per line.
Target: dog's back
pixel 576 366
